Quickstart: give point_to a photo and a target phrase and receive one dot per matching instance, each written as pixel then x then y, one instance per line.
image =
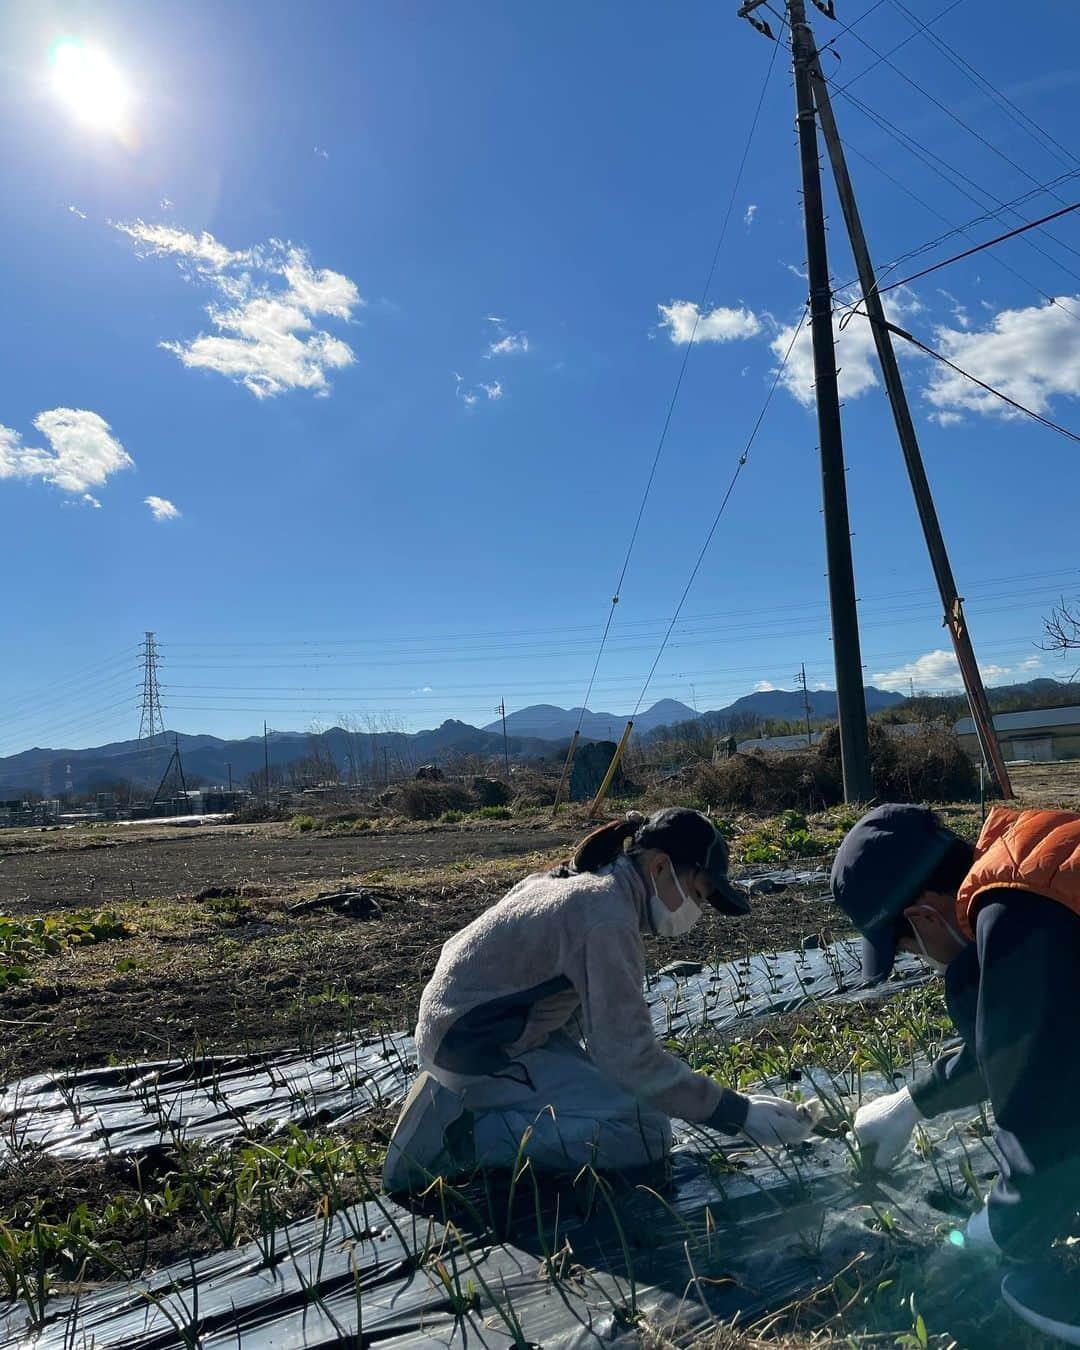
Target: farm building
pixel 1042 734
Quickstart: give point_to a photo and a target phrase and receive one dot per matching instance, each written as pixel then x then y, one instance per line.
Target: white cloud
pixel 82 452
pixel 493 318
pixel 164 240
pixel 167 205
pixel 764 687
pixel 323 154
pixel 856 357
pixel 266 338
pixel 508 345
pixel 938 670
pixel 684 321
pixel 1031 354
pixel 470 394
pixel 161 508
pixel 91 500
pixel 76 212
pixel 959 311
pixel 750 213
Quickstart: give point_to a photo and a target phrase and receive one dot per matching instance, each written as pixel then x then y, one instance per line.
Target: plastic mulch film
pixel 733 1234
pixel 132 1109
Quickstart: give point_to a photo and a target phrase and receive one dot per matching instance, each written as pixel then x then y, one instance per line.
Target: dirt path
pixel 57 870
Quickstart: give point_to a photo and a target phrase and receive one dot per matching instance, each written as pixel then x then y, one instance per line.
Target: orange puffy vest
pixel 1035 851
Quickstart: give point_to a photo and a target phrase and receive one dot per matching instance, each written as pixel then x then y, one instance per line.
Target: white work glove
pixel 884 1126
pixel 772 1120
pixel 978 1238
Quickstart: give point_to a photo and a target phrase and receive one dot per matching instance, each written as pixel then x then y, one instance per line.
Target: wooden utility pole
pixel 850 699
pixel 266 761
pixel 952 603
pixel 501 710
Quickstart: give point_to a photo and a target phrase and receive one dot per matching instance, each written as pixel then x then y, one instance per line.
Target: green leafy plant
pixel 23 940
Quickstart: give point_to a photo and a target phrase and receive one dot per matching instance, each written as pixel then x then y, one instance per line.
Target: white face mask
pixel 939 966
pixel 673 922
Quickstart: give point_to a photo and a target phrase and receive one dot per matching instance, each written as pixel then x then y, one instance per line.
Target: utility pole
pixel 228 768
pixel 952 603
pixel 386 765
pixel 501 710
pixel 850 700
pixel 266 763
pixel 801 677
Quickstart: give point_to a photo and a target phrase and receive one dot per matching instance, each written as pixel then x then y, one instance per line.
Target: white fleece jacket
pixel 582 935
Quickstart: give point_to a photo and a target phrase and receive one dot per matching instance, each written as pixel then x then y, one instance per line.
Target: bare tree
pixel 321 755
pixel 1062 629
pixel 353 745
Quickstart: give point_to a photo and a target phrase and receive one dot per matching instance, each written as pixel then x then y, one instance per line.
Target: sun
pixel 90 85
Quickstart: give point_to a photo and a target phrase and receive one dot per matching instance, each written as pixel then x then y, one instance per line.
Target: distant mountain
pixel 534 733
pixel 211 760
pixel 788 704
pixel 548 722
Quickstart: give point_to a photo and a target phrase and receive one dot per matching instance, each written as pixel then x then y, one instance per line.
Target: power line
pixel 927 158
pixel 720 510
pixel 990 389
pixel 1037 132
pixel 972 131
pixel 978 248
pixel 499 635
pixel 678 384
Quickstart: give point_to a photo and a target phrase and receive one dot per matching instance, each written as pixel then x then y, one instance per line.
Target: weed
pixel 23 940
pixel 495 813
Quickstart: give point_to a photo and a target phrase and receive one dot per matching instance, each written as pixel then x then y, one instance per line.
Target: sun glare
pixel 90 85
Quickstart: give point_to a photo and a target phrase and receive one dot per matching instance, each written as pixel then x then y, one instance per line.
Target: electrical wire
pixel 977 248
pixel 990 389
pixel 678 383
pixel 720 511
pixel 930 244
pixel 1034 129
pixel 927 157
pixel 955 117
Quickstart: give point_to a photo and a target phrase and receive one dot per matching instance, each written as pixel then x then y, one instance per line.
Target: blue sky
pixel 340 338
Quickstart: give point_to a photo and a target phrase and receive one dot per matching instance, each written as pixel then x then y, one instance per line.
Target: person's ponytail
pixel 601 848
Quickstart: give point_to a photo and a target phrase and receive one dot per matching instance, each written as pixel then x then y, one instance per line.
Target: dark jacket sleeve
pixel 955 1079
pixel 1026 1038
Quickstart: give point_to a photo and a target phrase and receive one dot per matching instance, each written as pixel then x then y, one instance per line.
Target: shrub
pixel 929 765
pixel 926 766
pixel 452 817
pixel 427 800
pixel 491 792
pixel 495 812
pixel 304 823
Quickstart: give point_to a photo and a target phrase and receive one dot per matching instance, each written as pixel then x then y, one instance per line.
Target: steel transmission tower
pixel 151 721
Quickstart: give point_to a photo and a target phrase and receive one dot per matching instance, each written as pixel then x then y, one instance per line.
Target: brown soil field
pixel 42 871
pixel 216 956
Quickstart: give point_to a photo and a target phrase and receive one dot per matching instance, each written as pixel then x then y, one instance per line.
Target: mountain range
pixel 538 732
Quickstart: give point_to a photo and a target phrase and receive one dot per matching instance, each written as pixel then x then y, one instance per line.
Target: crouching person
pixel 1000 921
pixel 534 1037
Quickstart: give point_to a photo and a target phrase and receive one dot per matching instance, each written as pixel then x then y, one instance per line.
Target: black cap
pixel 692 840
pixel 880 868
